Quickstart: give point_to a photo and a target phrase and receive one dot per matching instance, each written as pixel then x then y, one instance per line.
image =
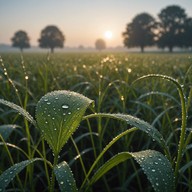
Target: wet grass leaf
pixel 58 115
pixel 7 176
pixel 65 177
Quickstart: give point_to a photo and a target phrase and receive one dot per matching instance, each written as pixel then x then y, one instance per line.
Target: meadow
pixel 136 112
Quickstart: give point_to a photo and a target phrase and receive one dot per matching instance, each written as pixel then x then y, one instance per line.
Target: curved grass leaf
pixel 159 94
pixel 6 130
pixel 115 160
pixel 65 177
pixel 110 144
pixel 134 121
pixel 58 115
pixel 18 109
pixel 184 115
pixel 7 176
pixel 155 165
pixel 157 168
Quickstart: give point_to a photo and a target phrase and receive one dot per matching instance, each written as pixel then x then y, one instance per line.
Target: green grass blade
pixel 115 160
pixel 7 176
pixel 58 114
pixel 6 130
pixel 18 109
pixel 65 177
pixel 134 121
pixel 157 168
pixel 155 165
pixel 184 116
pixel 110 144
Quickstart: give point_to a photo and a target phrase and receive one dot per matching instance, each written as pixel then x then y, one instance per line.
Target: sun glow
pixel 108 34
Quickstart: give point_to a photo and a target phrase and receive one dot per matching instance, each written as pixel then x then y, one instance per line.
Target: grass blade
pixel 65 177
pixel 184 116
pixel 18 109
pixel 157 168
pixel 155 165
pixel 115 160
pixel 110 144
pixel 134 121
pixel 7 176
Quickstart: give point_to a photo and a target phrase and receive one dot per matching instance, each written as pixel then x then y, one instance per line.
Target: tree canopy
pixel 172 27
pixel 20 40
pixel 100 44
pixel 187 37
pixel 140 32
pixel 51 37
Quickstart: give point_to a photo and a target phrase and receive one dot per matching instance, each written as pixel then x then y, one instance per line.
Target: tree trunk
pixel 142 49
pixel 170 49
pixel 52 49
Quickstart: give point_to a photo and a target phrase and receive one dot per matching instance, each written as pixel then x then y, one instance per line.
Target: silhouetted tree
pixel 140 32
pixel 100 44
pixel 171 31
pixel 187 37
pixel 51 37
pixel 20 40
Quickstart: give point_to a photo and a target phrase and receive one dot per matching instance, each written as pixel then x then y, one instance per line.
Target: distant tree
pixel 20 40
pixel 100 44
pixel 171 30
pixel 187 37
pixel 81 47
pixel 51 37
pixel 140 32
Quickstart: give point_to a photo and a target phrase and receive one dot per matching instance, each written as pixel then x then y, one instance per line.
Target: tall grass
pixel 105 138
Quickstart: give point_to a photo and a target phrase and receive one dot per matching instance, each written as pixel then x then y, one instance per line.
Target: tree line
pixel 173 29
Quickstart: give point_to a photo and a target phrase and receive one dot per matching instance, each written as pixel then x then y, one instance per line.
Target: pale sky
pixel 81 21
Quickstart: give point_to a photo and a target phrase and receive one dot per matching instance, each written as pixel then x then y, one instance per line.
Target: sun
pixel 108 34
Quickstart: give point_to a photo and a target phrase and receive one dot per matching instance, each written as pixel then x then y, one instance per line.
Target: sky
pixel 81 21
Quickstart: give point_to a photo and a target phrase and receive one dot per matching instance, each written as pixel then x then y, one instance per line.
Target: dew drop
pixel 153 170
pixel 65 106
pixel 61 182
pixel 48 103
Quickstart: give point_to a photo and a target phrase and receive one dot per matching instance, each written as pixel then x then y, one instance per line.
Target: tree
pixel 140 32
pixel 21 40
pixel 187 37
pixel 100 44
pixel 51 37
pixel 171 31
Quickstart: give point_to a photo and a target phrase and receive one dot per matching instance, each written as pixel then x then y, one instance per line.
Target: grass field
pixel 115 82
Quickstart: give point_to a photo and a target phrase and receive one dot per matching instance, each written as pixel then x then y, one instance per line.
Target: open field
pixel 109 80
